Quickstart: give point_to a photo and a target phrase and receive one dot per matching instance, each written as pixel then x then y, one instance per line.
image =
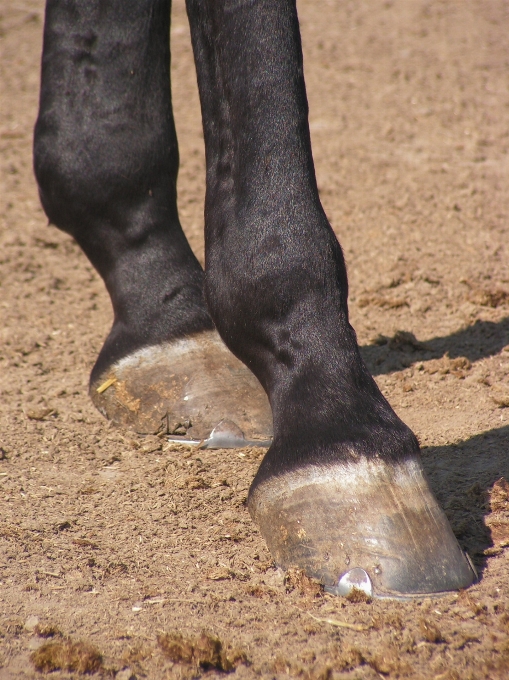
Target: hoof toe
pixel 186 388
pixel 368 525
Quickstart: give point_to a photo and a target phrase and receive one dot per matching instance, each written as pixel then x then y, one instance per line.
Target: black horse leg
pixel 341 491
pixel 106 160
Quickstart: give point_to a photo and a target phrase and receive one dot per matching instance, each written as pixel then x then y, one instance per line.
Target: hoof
pixel 368 525
pixel 186 388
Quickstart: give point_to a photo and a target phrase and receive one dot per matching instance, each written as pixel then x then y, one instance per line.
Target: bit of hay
pixel 191 482
pixel 84 543
pixel 457 367
pixel 74 657
pixel 206 652
pixel 389 663
pixel 499 495
pixel 406 342
pixel 281 666
pixel 41 413
pixel 220 574
pixel 137 654
pixel 430 632
pixel 347 659
pixel 500 398
pixel 389 619
pixel 489 298
pixel 261 592
pixel 107 383
pixel 47 630
pixel 382 301
pixel 339 624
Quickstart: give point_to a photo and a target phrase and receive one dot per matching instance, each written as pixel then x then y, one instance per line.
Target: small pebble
pixel 31 622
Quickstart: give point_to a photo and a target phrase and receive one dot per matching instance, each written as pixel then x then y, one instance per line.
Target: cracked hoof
pixel 368 525
pixel 185 387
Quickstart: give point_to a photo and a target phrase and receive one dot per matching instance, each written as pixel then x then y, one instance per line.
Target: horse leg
pixel 341 491
pixel 106 160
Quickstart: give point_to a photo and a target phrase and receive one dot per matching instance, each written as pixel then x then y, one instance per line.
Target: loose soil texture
pixel 124 556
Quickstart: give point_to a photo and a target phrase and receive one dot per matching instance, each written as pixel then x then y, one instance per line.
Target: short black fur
pixel 106 160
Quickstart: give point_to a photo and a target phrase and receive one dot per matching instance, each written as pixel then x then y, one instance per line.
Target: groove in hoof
pixel 366 525
pixel 184 387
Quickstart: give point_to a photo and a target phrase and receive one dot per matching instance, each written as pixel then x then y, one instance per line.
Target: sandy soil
pixel 121 542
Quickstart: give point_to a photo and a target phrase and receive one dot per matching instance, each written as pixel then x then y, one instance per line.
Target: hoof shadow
pixel 461 476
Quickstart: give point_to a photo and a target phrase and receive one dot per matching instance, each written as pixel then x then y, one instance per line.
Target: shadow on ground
pixel 479 341
pixel 461 476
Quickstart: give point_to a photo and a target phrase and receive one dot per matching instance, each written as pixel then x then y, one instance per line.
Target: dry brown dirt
pixel 121 554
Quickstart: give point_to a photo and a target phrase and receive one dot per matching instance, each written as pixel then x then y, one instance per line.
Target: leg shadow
pixel 482 339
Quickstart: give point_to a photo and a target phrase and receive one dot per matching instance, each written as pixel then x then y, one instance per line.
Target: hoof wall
pixel 187 388
pixel 364 525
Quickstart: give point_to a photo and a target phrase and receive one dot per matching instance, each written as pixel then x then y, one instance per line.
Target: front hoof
pixel 186 387
pixel 366 525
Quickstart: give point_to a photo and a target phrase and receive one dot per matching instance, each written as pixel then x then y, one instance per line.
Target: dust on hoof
pixel 367 526
pixel 184 387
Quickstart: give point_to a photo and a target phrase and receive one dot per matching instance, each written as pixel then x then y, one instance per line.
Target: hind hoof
pixel 366 525
pixel 186 388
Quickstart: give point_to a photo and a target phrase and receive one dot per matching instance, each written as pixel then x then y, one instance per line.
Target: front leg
pixel 341 489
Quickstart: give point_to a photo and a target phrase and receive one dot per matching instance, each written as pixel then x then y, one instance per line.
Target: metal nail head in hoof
pixel 355 579
pixel 225 435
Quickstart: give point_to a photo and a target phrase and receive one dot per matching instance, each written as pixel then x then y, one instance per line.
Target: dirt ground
pixel 113 545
